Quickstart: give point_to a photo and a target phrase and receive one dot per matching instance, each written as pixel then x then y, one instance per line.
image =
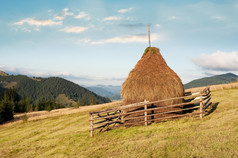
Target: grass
pixel 216 135
pixel 151 49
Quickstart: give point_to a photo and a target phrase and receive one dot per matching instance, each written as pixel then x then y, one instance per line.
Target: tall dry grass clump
pixel 151 80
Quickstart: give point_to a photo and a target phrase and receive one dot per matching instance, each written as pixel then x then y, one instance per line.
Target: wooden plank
pixel 140 104
pixel 187 93
pixel 104 111
pixel 167 112
pixel 206 101
pixel 111 122
pixel 204 90
pixel 105 117
pixel 206 97
pixel 154 102
pixel 107 124
pixel 168 106
pixel 207 105
pixel 163 118
pixel 133 112
pixel 105 120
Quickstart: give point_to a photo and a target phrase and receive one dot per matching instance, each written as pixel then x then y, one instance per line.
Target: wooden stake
pixel 145 113
pixel 91 125
pixel 149 35
pixel 201 106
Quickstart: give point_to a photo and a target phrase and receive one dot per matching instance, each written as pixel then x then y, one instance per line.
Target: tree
pixel 24 105
pixel 92 100
pixel 6 108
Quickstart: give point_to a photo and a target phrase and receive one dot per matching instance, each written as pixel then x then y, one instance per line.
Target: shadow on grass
pixel 212 108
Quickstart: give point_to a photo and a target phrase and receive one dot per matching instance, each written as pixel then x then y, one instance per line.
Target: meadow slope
pixel 216 135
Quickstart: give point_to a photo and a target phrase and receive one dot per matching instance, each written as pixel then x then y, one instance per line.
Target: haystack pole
pixel 149 34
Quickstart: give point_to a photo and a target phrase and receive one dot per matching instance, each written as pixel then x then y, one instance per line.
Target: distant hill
pixel 52 88
pixel 214 80
pixel 100 91
pixel 109 91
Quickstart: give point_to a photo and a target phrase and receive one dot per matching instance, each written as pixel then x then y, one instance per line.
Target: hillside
pixel 3 73
pixel 53 88
pixel 67 135
pixel 214 80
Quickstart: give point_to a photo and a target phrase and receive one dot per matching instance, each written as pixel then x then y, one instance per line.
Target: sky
pixel 100 41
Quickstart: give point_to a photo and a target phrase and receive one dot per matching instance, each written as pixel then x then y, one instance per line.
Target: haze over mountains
pixel 109 91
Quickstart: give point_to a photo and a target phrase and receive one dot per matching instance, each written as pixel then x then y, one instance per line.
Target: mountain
pixel 52 88
pixel 100 91
pixel 214 80
pixel 109 91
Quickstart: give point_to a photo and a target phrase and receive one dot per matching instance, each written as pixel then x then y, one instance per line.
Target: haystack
pixel 152 80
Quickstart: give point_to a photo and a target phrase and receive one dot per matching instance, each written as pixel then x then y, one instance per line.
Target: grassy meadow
pixel 216 135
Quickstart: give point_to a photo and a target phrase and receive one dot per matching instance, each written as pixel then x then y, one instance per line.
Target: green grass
pixel 216 135
pixel 151 49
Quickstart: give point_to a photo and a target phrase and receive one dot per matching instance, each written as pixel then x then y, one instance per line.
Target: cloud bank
pixel 218 61
pixel 112 18
pixel 124 10
pixel 141 38
pixel 74 29
pixel 34 22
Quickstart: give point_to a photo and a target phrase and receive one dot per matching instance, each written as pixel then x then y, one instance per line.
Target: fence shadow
pixel 212 109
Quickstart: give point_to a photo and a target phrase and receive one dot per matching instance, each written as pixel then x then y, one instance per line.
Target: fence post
pixel 91 125
pixel 201 106
pixel 145 113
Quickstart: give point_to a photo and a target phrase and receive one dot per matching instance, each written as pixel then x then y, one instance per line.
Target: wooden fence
pixel 108 119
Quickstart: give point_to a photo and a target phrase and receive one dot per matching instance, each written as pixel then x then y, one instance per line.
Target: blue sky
pixel 100 41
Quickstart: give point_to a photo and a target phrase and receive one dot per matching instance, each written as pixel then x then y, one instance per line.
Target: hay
pixel 152 79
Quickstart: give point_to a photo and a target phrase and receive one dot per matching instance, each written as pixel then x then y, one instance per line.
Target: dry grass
pixel 9 84
pixel 38 115
pixel 216 135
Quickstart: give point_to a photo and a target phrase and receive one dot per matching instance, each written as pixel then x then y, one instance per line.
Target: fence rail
pixel 108 119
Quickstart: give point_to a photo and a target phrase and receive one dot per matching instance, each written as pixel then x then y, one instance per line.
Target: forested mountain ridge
pixel 213 80
pixel 38 89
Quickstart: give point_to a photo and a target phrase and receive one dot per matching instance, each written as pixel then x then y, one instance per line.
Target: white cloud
pixel 124 10
pixel 157 25
pixel 173 18
pixel 218 61
pixel 63 14
pixel 83 15
pixel 218 17
pixel 128 39
pixel 74 29
pixel 83 41
pixel 26 29
pixel 112 18
pixel 33 22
